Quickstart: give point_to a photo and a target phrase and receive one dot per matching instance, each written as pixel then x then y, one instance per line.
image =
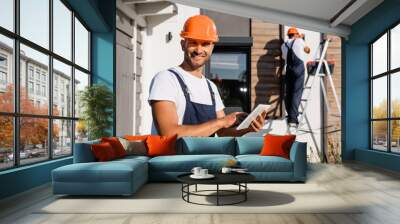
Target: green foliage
pixel 97 104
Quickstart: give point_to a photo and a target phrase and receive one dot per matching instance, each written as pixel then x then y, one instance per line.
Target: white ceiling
pixel 316 15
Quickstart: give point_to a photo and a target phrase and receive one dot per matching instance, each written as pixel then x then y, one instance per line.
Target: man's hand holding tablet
pixel 255 120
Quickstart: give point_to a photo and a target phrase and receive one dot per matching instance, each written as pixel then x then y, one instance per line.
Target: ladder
pixel 310 82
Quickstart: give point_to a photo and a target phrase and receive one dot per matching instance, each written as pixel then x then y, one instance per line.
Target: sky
pixel 35 27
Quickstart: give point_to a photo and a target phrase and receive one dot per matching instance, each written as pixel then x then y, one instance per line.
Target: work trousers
pixel 294 81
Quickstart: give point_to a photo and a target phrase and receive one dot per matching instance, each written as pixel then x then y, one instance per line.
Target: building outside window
pixel 3 72
pixel 35 52
pixel 30 87
pixel 385 96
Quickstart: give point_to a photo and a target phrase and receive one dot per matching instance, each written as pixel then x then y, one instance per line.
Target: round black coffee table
pixel 238 179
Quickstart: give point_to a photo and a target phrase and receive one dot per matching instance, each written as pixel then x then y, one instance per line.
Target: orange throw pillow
pixel 276 145
pixel 116 145
pixel 103 151
pixel 161 145
pixel 136 137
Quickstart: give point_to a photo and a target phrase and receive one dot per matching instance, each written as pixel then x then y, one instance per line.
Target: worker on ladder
pixel 294 52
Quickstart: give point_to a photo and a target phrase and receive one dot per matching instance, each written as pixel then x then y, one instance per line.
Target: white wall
pixel 159 55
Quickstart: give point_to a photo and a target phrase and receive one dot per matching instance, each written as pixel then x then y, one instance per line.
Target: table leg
pixel 217 194
pixel 245 193
pixel 196 188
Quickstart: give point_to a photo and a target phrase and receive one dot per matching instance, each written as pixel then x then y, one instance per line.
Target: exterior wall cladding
pixel 266 82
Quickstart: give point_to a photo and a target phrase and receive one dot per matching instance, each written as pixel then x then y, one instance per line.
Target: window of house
pixel 385 96
pixel 229 72
pixel 55 128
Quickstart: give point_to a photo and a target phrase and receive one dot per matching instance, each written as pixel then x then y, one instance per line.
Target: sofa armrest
pixel 298 155
pixel 83 152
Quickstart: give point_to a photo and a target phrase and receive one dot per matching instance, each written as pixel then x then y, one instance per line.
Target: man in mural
pixel 186 103
pixel 294 52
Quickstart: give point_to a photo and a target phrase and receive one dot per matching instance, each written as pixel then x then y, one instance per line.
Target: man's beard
pixel 195 66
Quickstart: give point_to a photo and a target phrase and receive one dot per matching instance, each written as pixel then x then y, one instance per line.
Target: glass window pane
pixel 33 139
pixel 35 21
pixel 81 45
pixel 6 142
pixel 379 97
pixel 33 61
pixel 379 135
pixel 81 81
pixel 379 56
pixel 62 89
pixel 395 136
pixel 6 74
pixel 62 138
pixel 229 72
pixel 62 29
pixel 7 14
pixel 81 131
pixel 395 94
pixel 395 47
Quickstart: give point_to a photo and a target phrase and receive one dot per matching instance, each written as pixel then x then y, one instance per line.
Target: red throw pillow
pixel 276 145
pixel 103 151
pixel 136 137
pixel 116 145
pixel 161 145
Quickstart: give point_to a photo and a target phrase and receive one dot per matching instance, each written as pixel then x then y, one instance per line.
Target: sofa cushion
pixel 249 145
pixel 103 152
pixel 116 145
pixel 257 163
pixel 206 145
pixel 112 171
pixel 185 163
pixel 83 152
pixel 277 145
pixel 161 145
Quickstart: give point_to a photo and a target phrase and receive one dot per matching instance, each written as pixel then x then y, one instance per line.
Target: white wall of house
pixel 158 54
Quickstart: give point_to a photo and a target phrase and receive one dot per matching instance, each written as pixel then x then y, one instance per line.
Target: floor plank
pixel 378 189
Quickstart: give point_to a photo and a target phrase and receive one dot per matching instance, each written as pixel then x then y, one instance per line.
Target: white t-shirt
pixel 298 49
pixel 165 86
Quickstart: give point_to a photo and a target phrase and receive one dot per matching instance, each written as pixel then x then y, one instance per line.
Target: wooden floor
pixel 378 188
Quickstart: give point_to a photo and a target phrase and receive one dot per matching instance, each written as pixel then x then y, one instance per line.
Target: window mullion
pixel 73 82
pixel 50 81
pixel 16 85
pixel 389 104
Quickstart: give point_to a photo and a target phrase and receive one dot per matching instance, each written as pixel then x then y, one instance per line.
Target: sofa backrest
pixel 249 145
pixel 83 153
pixel 206 145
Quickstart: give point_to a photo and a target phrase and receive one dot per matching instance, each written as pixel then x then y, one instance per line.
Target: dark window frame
pixel 388 74
pixel 237 49
pixel 16 114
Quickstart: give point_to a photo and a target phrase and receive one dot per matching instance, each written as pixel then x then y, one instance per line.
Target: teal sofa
pixel 125 176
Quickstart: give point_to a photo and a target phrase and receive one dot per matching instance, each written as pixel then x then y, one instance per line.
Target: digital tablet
pixel 253 115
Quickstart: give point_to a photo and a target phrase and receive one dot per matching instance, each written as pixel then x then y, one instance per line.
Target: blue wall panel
pixel 356 82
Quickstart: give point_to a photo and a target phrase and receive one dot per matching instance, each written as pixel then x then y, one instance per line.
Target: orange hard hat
pixel 292 30
pixel 200 27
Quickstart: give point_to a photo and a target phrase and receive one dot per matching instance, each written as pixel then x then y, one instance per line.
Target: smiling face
pixel 196 52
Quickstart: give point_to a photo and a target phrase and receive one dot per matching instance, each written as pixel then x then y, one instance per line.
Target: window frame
pixel 16 114
pixel 240 50
pixel 388 74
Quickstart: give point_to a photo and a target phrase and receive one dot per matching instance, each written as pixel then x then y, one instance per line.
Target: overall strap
pixel 182 84
pixel 291 46
pixel 211 92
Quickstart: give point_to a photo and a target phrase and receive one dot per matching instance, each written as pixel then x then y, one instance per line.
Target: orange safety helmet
pixel 200 27
pixel 292 30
